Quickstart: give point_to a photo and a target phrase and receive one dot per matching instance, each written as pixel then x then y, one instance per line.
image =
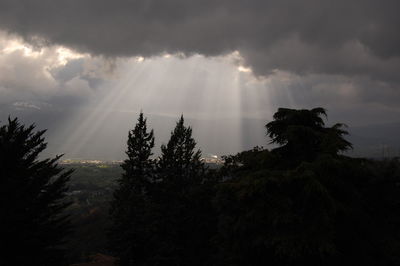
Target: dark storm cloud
pixel 311 36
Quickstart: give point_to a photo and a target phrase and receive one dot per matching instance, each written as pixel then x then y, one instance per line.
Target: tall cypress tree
pixel 128 238
pixel 179 162
pixel 182 203
pixel 138 167
pixel 32 195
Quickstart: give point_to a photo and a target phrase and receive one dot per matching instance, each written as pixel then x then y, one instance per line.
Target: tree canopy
pixel 162 211
pixel 303 203
pixel 129 208
pixel 179 161
pixel 32 199
pixel 302 134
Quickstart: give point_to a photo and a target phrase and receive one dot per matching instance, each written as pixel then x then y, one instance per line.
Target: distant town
pixel 213 159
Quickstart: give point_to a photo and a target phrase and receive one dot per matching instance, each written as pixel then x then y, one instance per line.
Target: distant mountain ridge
pixel 375 140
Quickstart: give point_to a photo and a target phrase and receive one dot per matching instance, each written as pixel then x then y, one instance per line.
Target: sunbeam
pixel 212 93
pixel 93 119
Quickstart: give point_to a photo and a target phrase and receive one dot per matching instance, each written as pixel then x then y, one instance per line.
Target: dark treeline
pixel 162 212
pixel 302 203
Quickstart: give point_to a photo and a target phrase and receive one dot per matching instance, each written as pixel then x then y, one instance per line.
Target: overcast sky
pixel 84 69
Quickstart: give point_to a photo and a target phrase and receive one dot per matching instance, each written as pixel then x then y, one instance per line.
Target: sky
pixel 84 69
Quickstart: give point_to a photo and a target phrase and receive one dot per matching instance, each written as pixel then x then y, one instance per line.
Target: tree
pixel 302 134
pixel 182 203
pixel 139 167
pixel 179 162
pixel 131 200
pixel 300 203
pixel 32 191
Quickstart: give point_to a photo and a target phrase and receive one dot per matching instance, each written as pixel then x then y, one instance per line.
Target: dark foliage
pixel 304 204
pixel 179 163
pixel 129 208
pixel 32 193
pixel 182 197
pixel 302 135
pixel 163 215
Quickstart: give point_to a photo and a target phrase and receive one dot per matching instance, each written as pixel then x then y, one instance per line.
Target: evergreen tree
pixel 179 162
pixel 32 193
pixel 182 202
pixel 128 238
pixel 139 166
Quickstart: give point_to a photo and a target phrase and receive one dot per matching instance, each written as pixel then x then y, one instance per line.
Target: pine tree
pixel 138 167
pixel 179 162
pixel 32 191
pixel 182 202
pixel 129 207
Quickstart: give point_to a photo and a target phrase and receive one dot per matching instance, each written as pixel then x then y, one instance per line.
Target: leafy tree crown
pixel 302 133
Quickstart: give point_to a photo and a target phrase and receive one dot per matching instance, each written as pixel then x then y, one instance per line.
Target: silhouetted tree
pixel 185 219
pixel 179 163
pixel 300 204
pixel 129 208
pixel 303 203
pixel 32 193
pixel 302 134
